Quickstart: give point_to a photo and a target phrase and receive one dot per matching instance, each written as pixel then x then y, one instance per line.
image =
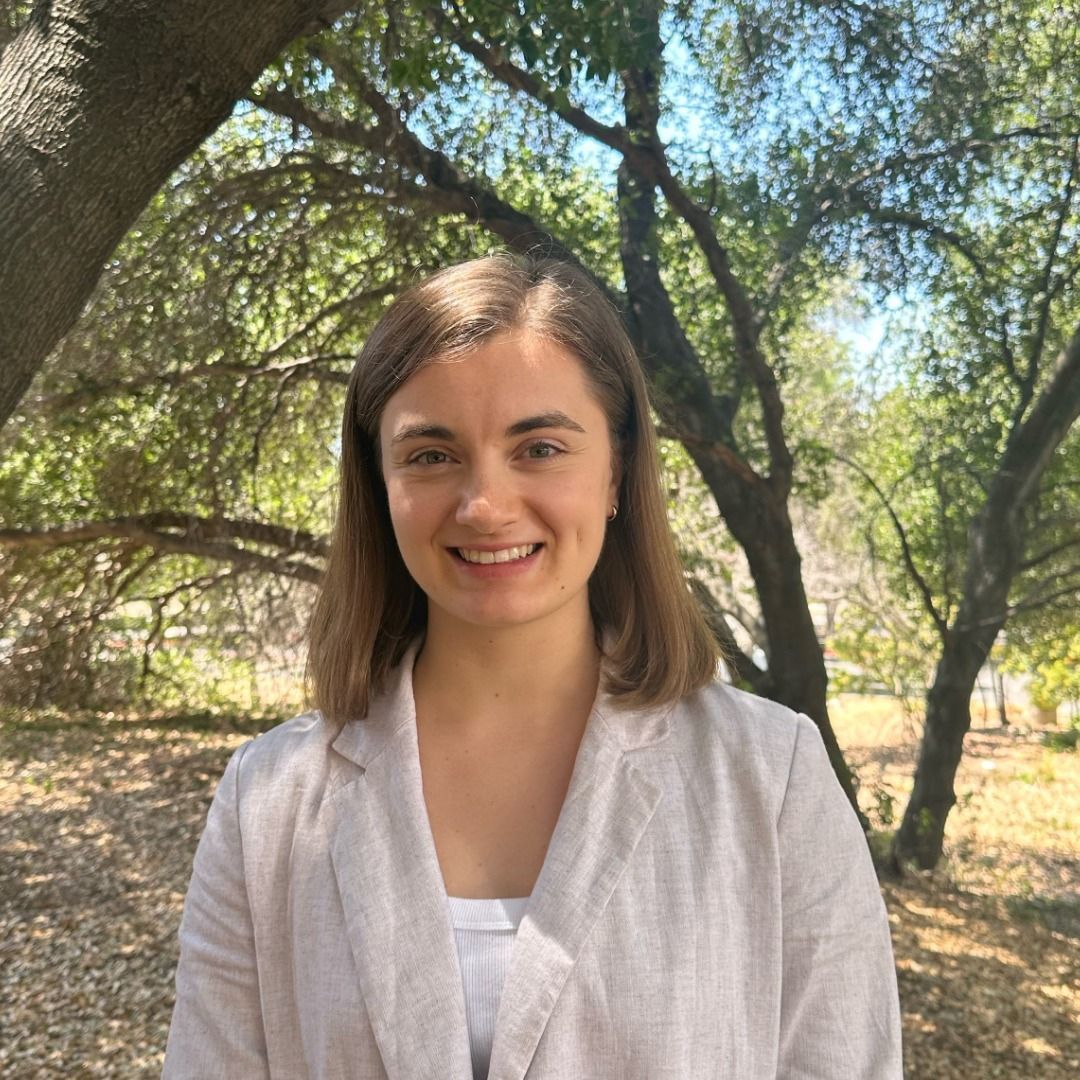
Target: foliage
pixel 883 647
pixel 830 158
pixel 13 16
pixel 1052 657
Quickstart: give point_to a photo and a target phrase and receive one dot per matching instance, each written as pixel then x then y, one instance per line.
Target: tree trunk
pixel 753 507
pixel 995 548
pixel 101 102
pixel 999 694
pixel 760 523
pixel 921 835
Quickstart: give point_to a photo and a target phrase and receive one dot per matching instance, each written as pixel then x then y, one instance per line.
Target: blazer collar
pixel 392 893
pixel 362 741
pixel 608 806
pixel 395 905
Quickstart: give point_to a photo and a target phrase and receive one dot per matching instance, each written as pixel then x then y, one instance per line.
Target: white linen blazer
pixel 707 908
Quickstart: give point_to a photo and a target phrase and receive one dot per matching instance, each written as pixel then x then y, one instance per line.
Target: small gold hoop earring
pixel 614 512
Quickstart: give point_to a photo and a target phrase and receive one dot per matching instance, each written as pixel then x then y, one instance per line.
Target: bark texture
pixel 995 551
pixel 99 101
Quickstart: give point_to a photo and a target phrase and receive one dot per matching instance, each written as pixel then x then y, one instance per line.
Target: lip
pixel 490 571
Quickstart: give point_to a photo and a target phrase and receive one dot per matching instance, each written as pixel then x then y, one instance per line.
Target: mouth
pixel 502 555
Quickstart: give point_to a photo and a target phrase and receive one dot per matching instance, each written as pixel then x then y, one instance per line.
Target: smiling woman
pixel 525 832
pixel 499 512
pixel 473 334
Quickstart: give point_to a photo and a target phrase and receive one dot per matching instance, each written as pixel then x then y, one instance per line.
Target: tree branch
pixel 329 125
pixel 791 248
pixel 684 397
pixel 960 149
pixel 940 622
pixel 447 188
pixel 727 457
pixel 908 219
pixel 516 78
pixel 366 294
pixel 1049 553
pixel 1040 601
pixel 1031 442
pixel 1027 386
pixel 92 390
pixel 831 195
pixel 746 673
pixel 185 534
pixel 648 162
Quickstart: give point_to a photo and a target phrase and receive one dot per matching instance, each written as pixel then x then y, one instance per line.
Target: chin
pixel 496 617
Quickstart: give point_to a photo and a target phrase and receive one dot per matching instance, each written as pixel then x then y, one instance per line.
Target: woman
pixel 526 833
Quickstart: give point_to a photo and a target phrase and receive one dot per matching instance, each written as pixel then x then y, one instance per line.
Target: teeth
pixel 504 555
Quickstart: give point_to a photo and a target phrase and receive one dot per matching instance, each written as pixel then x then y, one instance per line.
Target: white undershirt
pixel 484 931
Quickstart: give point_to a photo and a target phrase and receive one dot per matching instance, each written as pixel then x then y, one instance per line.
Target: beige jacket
pixel 707 908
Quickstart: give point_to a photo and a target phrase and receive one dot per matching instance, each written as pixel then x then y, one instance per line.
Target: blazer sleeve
pixel 839 1012
pixel 217 1028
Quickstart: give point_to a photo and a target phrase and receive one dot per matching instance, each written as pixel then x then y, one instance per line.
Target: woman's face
pixel 500 476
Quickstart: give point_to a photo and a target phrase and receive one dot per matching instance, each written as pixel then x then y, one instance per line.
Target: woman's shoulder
pixel 719 711
pixel 295 749
pixel 743 739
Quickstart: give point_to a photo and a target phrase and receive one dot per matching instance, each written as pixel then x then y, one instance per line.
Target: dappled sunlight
pixel 946 945
pixel 1013 829
pixel 979 984
pixel 101 827
pixel 1040 1046
pixel 986 945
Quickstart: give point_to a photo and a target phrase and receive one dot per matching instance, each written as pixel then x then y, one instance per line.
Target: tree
pixel 956 565
pixel 352 92
pixel 101 102
pixel 715 167
pixel 1006 340
pixel 996 552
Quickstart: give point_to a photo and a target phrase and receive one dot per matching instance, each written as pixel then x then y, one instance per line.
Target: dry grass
pixel 98 826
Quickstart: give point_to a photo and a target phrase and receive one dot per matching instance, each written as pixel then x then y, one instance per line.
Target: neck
pixel 527 675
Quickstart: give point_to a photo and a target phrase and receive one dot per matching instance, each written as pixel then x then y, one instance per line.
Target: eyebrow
pixel 555 419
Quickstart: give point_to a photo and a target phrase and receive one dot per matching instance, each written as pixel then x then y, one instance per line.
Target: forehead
pixel 496 383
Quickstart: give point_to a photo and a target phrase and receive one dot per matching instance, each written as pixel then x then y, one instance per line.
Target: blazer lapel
pixel 392 892
pixel 608 806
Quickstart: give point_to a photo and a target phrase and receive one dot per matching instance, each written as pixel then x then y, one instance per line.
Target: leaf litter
pixel 99 822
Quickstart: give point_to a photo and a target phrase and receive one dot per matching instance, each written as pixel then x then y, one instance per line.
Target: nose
pixel 488 501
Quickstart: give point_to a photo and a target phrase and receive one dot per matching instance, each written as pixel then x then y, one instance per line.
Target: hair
pixel 656 642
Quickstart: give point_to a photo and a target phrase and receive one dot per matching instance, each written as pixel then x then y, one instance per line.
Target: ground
pixel 98 824
pixel 986 948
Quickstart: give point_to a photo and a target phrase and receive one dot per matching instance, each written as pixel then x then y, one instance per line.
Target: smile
pixel 503 555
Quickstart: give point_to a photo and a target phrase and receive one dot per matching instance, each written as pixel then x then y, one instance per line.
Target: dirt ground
pixel 98 825
pixel 986 947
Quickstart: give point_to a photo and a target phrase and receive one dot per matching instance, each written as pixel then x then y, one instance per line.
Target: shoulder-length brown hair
pixel 369 609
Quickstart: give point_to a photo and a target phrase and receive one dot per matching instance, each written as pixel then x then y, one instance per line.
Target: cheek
pixel 394 502
pixel 591 515
pixel 406 511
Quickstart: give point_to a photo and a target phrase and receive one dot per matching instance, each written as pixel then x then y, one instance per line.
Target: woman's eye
pixel 542 450
pixel 430 457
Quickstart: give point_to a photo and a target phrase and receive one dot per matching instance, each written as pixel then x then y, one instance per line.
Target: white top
pixel 484 931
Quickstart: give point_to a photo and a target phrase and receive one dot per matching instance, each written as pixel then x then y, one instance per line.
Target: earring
pixel 614 512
